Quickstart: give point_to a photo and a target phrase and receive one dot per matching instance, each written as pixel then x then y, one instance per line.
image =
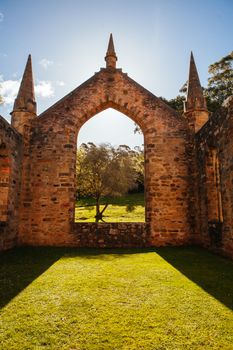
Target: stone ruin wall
pixel 214 144
pixel 10 175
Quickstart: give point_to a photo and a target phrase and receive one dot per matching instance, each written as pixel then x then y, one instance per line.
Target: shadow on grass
pixel 20 266
pixel 212 273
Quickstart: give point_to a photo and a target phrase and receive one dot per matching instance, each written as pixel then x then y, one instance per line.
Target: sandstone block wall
pixel 10 175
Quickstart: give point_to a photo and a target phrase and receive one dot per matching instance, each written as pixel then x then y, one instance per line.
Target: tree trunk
pixel 99 214
pixel 97 209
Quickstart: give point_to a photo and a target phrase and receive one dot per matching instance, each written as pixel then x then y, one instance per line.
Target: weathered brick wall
pixel 10 173
pixel 216 137
pixel 51 186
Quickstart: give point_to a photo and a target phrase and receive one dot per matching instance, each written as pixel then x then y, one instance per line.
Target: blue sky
pixel 68 41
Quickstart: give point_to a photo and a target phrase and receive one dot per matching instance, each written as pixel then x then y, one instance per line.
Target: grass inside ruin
pixel 128 208
pixel 170 298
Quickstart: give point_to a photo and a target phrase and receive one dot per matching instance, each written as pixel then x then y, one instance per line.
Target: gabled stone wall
pixel 49 216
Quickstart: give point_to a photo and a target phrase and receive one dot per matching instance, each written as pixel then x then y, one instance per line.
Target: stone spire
pixel 24 109
pixel 25 101
pixel 195 104
pixel 111 57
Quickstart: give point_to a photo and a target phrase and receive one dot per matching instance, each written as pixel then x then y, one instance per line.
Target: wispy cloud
pixel 45 63
pixel 44 89
pixel 1 16
pixel 9 89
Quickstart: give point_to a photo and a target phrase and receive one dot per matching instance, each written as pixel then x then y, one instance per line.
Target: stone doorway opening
pixel 115 187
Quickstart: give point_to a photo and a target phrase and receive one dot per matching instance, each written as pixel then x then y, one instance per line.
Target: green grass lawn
pixel 169 298
pixel 128 208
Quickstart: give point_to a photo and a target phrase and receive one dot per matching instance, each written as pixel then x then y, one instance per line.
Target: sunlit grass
pixel 128 208
pixel 97 300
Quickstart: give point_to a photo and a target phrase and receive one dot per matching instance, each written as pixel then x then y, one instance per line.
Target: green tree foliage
pixel 137 156
pixel 106 171
pixel 220 83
